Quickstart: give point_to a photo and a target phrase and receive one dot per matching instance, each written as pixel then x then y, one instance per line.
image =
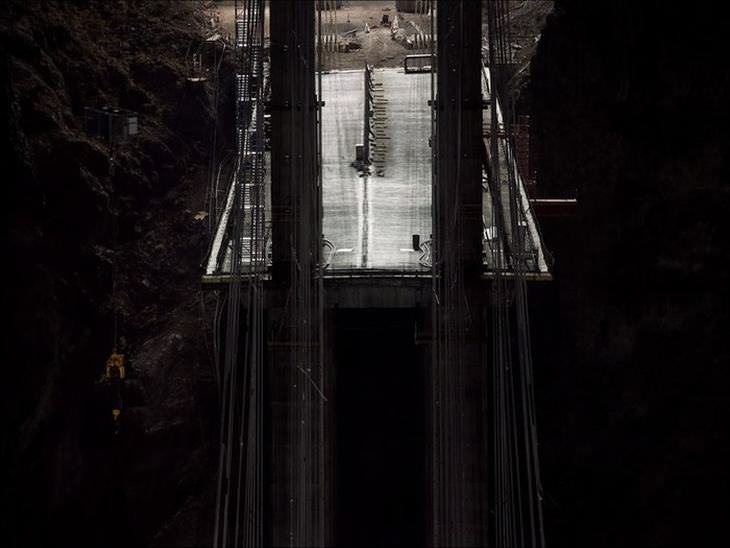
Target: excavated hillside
pixel 630 109
pixel 70 479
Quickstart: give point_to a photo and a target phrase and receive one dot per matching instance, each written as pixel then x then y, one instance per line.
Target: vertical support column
pixel 293 134
pixel 299 505
pixel 459 469
pixel 458 125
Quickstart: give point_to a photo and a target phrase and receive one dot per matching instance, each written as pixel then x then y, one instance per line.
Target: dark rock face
pixel 629 105
pixel 70 479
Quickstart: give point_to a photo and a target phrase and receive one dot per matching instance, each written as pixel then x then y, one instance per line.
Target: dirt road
pixel 376 47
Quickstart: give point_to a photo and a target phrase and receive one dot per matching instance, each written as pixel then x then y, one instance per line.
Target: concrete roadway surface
pixel 370 220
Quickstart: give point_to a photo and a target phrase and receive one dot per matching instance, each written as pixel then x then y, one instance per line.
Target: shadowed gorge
pixel 635 353
pixel 381 429
pixel 309 325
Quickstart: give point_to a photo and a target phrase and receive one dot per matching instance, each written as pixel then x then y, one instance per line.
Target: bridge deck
pixel 369 220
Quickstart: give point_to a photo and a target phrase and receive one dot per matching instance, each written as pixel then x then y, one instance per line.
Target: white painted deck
pixel 371 219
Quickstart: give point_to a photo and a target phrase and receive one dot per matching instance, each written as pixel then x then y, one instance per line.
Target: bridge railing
pixel 418 63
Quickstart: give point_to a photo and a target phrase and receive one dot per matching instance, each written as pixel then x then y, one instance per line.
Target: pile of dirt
pixel 376 46
pixel 70 222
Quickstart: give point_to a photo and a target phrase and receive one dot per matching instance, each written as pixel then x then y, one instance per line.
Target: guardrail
pixel 422 62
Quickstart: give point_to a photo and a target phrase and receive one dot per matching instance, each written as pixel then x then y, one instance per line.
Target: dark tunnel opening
pixel 380 429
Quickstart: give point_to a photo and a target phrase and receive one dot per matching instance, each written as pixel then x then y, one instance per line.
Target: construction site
pixel 361 273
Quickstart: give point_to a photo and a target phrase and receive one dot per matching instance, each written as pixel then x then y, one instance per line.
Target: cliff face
pixel 629 109
pixel 70 478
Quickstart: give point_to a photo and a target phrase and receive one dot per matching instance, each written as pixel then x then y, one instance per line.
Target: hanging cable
pixel 517 519
pixel 238 512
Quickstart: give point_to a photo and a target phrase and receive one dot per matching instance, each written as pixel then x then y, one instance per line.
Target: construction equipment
pixel 113 378
pixel 115 366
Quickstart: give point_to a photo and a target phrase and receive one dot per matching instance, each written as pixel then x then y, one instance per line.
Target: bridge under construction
pixel 372 243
